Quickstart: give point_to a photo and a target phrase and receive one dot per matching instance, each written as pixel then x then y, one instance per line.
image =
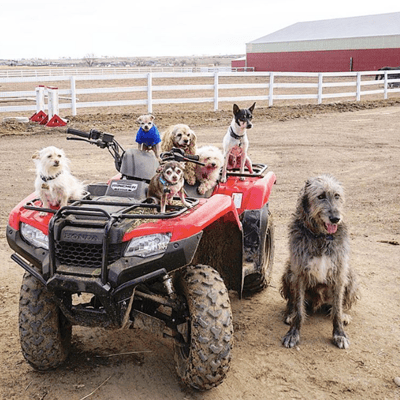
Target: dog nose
pixel 334 220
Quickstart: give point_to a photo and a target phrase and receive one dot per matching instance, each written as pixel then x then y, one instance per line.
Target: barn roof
pixel 340 28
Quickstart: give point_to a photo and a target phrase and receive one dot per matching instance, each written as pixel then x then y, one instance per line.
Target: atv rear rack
pixel 258 170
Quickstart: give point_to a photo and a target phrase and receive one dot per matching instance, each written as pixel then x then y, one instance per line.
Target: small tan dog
pixel 208 174
pixel 148 138
pixel 182 137
pixel 167 183
pixel 54 183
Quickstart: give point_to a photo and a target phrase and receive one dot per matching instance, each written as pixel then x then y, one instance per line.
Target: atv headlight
pixel 34 236
pixel 149 245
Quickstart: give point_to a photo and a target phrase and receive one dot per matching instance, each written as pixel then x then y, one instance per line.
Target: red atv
pixel 113 260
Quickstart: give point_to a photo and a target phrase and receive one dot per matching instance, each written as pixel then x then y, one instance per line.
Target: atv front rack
pixel 127 212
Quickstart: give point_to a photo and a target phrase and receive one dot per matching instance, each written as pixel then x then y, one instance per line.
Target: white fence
pixel 257 86
pixel 25 73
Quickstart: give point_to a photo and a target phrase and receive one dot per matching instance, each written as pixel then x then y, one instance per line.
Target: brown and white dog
pixel 54 183
pixel 167 183
pixel 182 137
pixel 208 174
pixel 236 142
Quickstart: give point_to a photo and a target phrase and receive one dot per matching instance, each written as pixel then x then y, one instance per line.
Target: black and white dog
pixel 236 142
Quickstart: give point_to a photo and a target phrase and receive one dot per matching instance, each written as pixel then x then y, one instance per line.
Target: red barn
pixel 239 63
pixel 345 44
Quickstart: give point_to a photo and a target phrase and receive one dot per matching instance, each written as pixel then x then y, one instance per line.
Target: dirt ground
pixel 358 143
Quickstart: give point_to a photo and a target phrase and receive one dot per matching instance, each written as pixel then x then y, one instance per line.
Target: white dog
pixel 236 142
pixel 208 174
pixel 54 183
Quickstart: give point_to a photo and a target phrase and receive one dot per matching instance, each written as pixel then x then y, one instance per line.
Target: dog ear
pixel 36 155
pixel 252 107
pixel 139 120
pixel 152 117
pixel 236 109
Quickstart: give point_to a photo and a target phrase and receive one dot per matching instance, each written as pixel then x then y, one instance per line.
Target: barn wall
pixel 238 63
pixel 324 61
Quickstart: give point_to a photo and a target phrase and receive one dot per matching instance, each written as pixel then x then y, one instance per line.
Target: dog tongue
pixel 331 228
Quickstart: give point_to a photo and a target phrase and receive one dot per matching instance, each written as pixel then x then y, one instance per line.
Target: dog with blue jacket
pixel 148 138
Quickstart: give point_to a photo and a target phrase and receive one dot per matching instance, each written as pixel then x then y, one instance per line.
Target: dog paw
pixel 191 181
pixel 291 339
pixel 201 189
pixel 346 319
pixel 223 180
pixel 341 341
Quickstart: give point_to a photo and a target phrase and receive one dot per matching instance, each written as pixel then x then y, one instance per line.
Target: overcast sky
pixel 76 28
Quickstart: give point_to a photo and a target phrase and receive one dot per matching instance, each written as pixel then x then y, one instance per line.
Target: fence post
pixel 320 77
pixel 149 93
pixel 271 90
pixel 73 95
pixel 39 98
pixel 53 101
pixel 215 90
pixel 358 86
pixel 385 86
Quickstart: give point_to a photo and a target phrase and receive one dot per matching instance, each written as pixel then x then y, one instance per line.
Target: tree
pixel 90 59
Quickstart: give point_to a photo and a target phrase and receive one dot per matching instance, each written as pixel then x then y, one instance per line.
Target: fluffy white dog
pixel 54 183
pixel 208 174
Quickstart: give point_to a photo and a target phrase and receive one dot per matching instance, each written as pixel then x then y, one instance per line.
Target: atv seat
pixel 191 191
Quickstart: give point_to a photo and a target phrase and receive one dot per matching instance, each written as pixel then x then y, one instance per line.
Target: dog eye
pixel 322 196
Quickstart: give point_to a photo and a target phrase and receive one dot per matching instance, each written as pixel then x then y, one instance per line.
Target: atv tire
pixel 257 281
pixel 203 359
pixel 45 333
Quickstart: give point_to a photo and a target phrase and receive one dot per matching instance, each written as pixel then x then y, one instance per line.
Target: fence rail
pixel 28 72
pixel 211 87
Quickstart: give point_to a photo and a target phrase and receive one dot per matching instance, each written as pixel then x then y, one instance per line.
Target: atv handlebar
pixel 179 155
pixel 76 132
pixel 102 140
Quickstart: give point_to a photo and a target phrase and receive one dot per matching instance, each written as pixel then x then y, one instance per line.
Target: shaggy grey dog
pixel 318 272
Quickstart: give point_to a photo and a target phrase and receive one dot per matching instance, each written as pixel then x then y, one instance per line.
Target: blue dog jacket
pixel 150 138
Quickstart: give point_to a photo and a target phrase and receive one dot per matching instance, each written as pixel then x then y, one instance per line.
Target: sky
pixel 53 29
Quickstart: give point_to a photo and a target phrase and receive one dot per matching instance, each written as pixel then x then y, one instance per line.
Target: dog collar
pixel 166 183
pixel 234 135
pixel 50 178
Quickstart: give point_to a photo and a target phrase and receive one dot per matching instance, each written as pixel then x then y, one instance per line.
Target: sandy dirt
pixel 358 143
